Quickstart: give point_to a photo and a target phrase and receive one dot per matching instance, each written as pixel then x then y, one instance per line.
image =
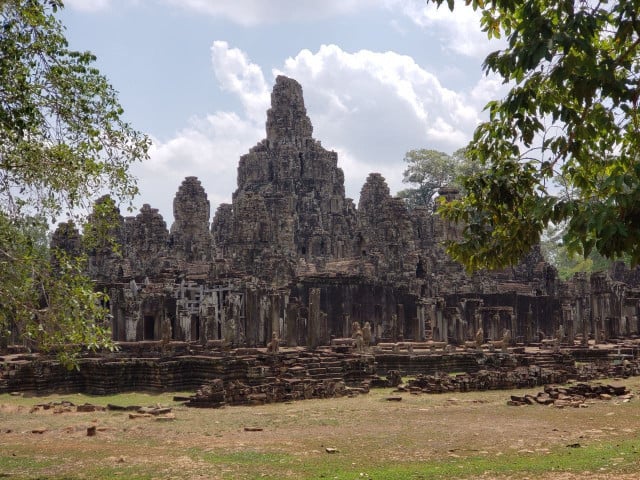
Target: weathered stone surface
pixel 290 203
pixel 290 232
pixel 67 238
pixel 190 237
pixel 571 396
pixel 104 235
pixel 252 376
pixel 385 231
pixel 145 242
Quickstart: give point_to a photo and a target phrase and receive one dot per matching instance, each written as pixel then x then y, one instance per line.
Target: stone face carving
pixel 385 230
pixel 190 237
pixel 290 200
pixel 103 237
pixel 145 242
pixel 67 238
pixel 291 256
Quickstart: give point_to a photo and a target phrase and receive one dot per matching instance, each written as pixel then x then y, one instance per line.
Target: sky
pixel 379 77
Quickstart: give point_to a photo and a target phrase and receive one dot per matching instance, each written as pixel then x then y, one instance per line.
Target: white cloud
pixel 374 107
pixel 237 75
pixel 370 107
pixel 88 5
pixel 458 31
pixel 488 88
pixel 254 12
pixel 208 148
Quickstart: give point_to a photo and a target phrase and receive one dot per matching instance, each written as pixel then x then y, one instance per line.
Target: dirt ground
pixel 310 439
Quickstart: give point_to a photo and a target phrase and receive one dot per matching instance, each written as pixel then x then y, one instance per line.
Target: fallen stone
pixel 87 407
pixel 155 410
pixel 139 415
pixel 117 408
pixel 165 418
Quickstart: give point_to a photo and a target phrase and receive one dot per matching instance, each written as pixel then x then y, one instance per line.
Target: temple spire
pixel 287 119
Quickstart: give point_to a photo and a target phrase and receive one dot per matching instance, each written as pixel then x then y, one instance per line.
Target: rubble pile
pixel 608 369
pixel 283 378
pixel 499 379
pixel 216 393
pixel 572 396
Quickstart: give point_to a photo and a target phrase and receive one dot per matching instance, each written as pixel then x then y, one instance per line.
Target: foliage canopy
pixel 563 144
pixel 63 142
pixel 429 170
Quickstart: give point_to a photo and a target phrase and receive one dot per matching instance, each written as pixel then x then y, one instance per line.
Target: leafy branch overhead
pixel 63 143
pixel 62 136
pixel 563 144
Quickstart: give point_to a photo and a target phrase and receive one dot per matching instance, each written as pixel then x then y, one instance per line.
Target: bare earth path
pixel 472 435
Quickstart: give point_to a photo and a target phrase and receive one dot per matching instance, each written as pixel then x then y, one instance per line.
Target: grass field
pixel 471 435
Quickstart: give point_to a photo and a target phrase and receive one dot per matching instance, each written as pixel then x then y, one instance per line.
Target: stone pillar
pixel 275 315
pixel 252 318
pixel 346 325
pixel 239 323
pixel 420 322
pixel 415 329
pixel 314 335
pixel 401 320
pixel 394 327
pixel 585 329
pixel 567 322
pixel 495 328
pixel 291 323
pixel 441 322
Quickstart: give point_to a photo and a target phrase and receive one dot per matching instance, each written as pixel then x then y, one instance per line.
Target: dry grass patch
pixel 471 435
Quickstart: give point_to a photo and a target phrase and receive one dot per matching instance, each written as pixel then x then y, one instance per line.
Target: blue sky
pixel 380 77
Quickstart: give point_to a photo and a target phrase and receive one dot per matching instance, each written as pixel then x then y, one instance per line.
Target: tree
pixel 564 143
pixel 430 170
pixel 63 142
pixel 567 264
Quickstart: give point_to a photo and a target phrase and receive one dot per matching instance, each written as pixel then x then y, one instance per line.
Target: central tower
pixel 290 200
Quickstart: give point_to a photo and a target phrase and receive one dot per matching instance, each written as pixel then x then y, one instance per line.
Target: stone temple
pixel 292 256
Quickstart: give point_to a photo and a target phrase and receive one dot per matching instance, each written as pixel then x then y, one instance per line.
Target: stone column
pixel 394 327
pixel 346 324
pixel 291 323
pixel 567 322
pixel 275 314
pixel 420 326
pixel 252 318
pixel 401 320
pixel 441 321
pixel 314 336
